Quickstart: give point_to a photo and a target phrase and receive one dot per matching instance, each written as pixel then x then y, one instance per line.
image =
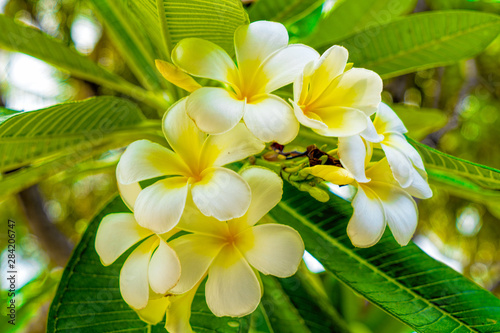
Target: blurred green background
pixel 453 108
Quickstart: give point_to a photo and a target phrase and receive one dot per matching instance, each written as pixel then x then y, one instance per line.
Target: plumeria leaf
pixel 420 122
pixel 88 297
pixel 284 11
pixel 49 140
pixel 21 38
pixel 407 44
pixel 213 20
pixel 404 281
pixel 349 17
pixel 437 163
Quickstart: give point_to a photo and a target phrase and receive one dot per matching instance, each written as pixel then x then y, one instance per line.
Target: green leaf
pixel 214 20
pixel 481 175
pixel 88 297
pixel 286 11
pixel 421 41
pixel 420 122
pixel 21 38
pixel 349 17
pixel 75 127
pixel 404 281
pixel 131 40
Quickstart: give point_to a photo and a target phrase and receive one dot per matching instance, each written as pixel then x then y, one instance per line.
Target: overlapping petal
pixel 272 249
pixel 179 313
pixel 270 118
pixel 129 193
pixel 231 146
pixel 232 287
pixel 182 134
pixel 200 57
pixel 367 223
pixel 196 253
pixel 144 159
pixel 134 283
pixel 331 173
pixel 387 121
pixel 159 206
pixel 154 312
pixel 215 110
pixel 340 121
pixel 352 154
pixel 116 234
pixel 164 268
pixel 221 193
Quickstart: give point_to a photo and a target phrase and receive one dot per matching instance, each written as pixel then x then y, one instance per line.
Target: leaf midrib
pixel 362 261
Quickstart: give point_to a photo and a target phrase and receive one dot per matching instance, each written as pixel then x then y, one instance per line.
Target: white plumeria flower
pixel 405 162
pixel 265 62
pixel 379 202
pixel 152 265
pixel 176 307
pixel 230 252
pixel 334 100
pixel 195 165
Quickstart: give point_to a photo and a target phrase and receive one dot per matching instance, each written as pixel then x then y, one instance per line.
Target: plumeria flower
pixel 265 62
pixel 382 201
pixel 194 169
pixel 405 162
pixel 334 99
pixel 152 265
pixel 231 252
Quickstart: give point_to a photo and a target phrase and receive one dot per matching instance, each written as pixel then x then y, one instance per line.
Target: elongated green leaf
pixel 421 41
pixel 88 297
pixel 481 175
pixel 69 128
pixel 404 281
pixel 287 11
pixel 348 17
pixel 214 20
pixel 131 40
pixel 21 38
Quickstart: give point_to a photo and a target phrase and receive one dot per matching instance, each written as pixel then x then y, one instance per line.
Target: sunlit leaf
pixel 420 122
pixel 404 281
pixel 421 41
pixel 349 17
pixel 282 10
pixel 88 298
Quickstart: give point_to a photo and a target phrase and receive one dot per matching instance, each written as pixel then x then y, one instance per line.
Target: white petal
pixel 214 110
pixel 340 121
pixel 266 188
pixel 144 159
pixel 154 312
pixel 164 268
pixel 231 146
pixel 400 211
pixel 272 249
pixel 357 88
pixel 401 166
pixel 129 193
pixel 352 154
pixel 419 188
pixel 331 64
pixel 367 223
pixel 302 82
pixel 116 234
pixel 255 42
pixel 182 134
pixel 199 57
pixel 370 133
pixel 232 288
pixel 179 313
pixel 159 206
pixel 196 253
pixel 134 285
pixel 221 193
pixel 386 120
pixel 283 66
pixel 271 119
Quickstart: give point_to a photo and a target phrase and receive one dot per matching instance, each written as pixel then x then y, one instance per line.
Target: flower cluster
pixel 200 219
